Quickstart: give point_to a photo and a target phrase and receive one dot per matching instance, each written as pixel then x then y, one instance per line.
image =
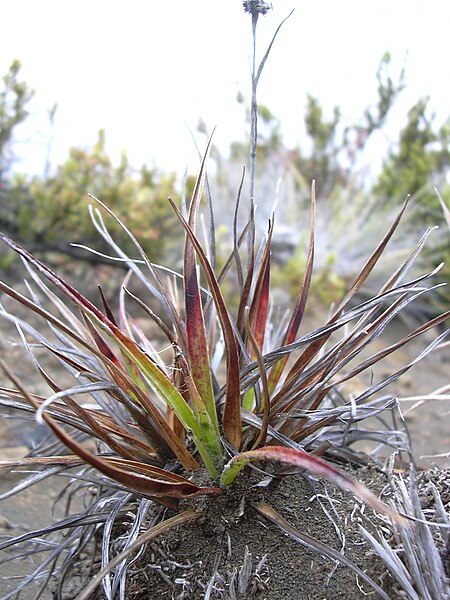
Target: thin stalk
pixel 256 74
pixel 253 109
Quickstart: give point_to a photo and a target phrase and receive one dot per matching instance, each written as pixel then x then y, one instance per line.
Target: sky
pixel 147 71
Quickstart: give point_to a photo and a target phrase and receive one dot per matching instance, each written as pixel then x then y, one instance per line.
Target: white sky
pixel 145 71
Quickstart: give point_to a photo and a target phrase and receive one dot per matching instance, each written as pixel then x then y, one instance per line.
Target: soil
pixel 26 511
pixel 212 552
pixel 183 564
pixel 207 557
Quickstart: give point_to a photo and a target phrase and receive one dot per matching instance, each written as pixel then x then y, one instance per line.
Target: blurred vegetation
pixel 351 211
pixel 53 210
pixel 14 97
pixel 48 212
pixel 331 148
pixel 421 155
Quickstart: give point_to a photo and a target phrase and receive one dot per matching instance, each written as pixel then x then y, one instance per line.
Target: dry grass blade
pixel 350 347
pixel 412 555
pixel 310 352
pixel 165 298
pixel 312 387
pixel 27 461
pixel 68 523
pixel 315 545
pixel 41 571
pixel 69 291
pixel 41 312
pixel 86 416
pixel 142 484
pixel 358 400
pixel 370 264
pixel 393 347
pixel 65 415
pixel 235 254
pixel 322 388
pixel 161 435
pixel 181 519
pixel 249 374
pixel 440 394
pixel 31 480
pixel 444 207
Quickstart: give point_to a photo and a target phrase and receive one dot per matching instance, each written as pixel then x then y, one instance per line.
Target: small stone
pixel 5 523
pixel 13 452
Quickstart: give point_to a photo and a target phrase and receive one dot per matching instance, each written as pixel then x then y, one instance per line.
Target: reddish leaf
pixel 265 404
pixel 312 350
pixel 109 312
pixel 197 341
pixel 260 303
pixel 160 381
pixel 231 418
pixel 144 479
pixel 90 419
pixel 245 292
pixel 63 414
pixel 297 314
pixel 317 465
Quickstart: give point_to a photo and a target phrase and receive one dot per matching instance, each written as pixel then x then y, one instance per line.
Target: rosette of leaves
pixel 237 389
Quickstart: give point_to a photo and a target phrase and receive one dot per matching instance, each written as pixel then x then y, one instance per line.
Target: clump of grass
pixel 416 556
pixel 231 388
pixel 274 396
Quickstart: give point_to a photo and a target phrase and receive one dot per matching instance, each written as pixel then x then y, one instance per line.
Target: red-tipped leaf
pixel 197 340
pixel 231 419
pixel 297 314
pixel 313 463
pixel 144 479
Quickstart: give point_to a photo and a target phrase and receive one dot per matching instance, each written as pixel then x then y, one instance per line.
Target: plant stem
pixel 256 74
pixel 253 110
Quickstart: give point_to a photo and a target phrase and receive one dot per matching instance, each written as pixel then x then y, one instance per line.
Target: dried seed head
pixel 256 7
